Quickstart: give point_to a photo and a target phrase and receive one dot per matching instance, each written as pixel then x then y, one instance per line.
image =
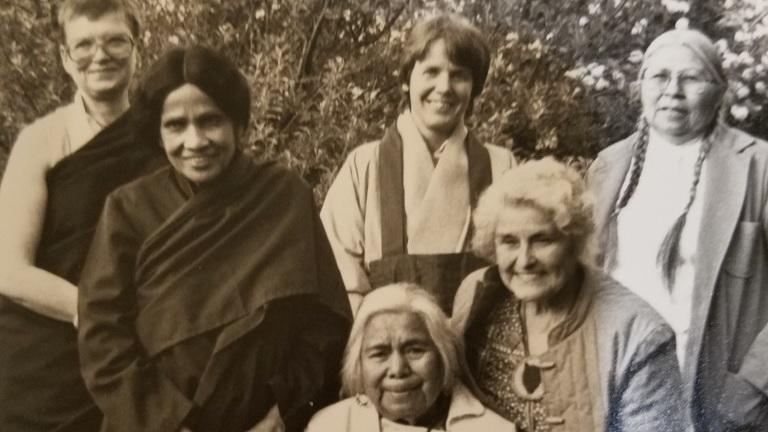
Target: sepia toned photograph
pixel 383 215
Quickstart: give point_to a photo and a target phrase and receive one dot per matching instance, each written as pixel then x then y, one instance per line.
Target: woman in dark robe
pixel 210 299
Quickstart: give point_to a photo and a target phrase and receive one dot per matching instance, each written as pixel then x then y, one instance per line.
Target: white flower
pixel 739 112
pixel 636 56
pixel 594 8
pixel 742 92
pixel 512 37
pixel 260 14
pixel 601 84
pixel 748 74
pixel 682 23
pixel 173 39
pixel 588 81
pixel 583 21
pixel 356 91
pixel 597 71
pixel 675 6
pixel 721 45
pixel 576 73
pixel 729 59
pixel 639 27
pixel 746 58
pixel 760 87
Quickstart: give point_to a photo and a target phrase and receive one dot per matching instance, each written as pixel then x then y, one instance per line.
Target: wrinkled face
pixel 401 367
pixel 198 138
pixel 440 91
pixel 100 76
pixel 680 97
pixel 535 259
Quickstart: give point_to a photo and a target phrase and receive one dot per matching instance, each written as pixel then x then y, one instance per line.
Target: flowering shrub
pixel 323 73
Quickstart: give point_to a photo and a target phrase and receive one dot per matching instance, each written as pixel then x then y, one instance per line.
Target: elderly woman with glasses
pixel 403 370
pixel 553 344
pixel 682 218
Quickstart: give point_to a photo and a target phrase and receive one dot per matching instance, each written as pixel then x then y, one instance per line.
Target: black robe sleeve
pixel 129 389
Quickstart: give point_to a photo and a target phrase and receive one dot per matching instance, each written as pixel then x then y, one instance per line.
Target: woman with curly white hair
pixel 552 343
pixel 403 371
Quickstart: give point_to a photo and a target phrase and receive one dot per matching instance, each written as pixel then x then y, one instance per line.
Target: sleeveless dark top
pixel 40 384
pixel 440 274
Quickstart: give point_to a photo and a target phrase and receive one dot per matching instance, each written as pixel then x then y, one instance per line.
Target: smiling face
pixel 535 259
pixel 401 367
pixel 198 138
pixel 439 93
pixel 680 97
pixel 102 77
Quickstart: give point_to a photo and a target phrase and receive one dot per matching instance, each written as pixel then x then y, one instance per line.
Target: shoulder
pixel 744 142
pixel 362 156
pixel 50 123
pixel 465 298
pixel 337 417
pixel 501 159
pixel 621 149
pixel 150 186
pixel 623 313
pixel 498 152
pixel 37 139
pixel 467 413
pixel 280 176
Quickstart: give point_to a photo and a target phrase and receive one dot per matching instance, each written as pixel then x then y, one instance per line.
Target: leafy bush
pixel 323 75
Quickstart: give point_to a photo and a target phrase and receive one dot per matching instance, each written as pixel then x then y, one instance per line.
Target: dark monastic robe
pixel 40 384
pixel 206 307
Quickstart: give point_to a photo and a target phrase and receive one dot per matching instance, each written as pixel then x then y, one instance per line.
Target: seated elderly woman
pixel 210 300
pixel 553 344
pixel 403 371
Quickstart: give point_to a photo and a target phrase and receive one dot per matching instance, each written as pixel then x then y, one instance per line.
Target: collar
pixel 463 404
pixel 410 133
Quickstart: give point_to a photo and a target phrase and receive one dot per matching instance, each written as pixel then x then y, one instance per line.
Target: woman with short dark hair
pixel 399 209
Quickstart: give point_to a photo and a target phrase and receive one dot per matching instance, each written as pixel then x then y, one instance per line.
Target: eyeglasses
pixel 117 47
pixel 689 81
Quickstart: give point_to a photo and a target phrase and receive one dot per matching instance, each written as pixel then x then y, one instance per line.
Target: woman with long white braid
pixel 681 216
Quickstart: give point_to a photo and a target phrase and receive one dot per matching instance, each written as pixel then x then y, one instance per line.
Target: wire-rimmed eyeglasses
pixel 117 47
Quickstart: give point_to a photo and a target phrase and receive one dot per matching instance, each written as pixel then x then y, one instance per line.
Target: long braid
pixel 669 250
pixel 638 160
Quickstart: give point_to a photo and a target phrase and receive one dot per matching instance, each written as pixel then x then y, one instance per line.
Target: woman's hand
pixel 272 422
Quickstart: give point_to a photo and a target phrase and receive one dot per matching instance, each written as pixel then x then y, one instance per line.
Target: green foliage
pixel 323 73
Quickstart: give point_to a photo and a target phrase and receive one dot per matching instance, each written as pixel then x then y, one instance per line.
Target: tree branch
pixel 309 49
pixel 387 26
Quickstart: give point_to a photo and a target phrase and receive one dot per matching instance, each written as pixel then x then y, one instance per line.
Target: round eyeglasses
pixel 117 47
pixel 689 81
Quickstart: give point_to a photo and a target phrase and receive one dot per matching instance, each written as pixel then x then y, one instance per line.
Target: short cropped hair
pixel 402 297
pixel 548 185
pixel 210 71
pixel 93 9
pixel 464 43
